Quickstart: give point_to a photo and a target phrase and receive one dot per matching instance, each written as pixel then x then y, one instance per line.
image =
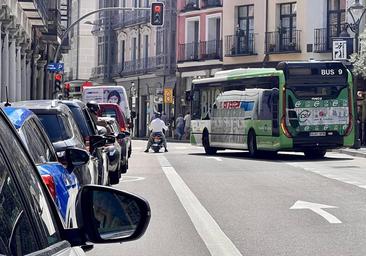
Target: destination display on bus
pixel 314 70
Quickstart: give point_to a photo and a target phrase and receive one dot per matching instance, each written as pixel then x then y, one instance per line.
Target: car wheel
pixel 113 178
pixel 252 144
pixel 129 151
pixel 206 144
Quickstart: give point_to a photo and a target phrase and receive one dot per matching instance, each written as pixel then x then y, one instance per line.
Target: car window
pixel 33 191
pixel 75 129
pixel 50 152
pixel 16 228
pixel 81 121
pixel 57 129
pixel 109 112
pixel 37 146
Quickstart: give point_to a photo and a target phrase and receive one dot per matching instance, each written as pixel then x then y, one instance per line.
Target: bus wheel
pixel 206 144
pixel 252 144
pixel 315 154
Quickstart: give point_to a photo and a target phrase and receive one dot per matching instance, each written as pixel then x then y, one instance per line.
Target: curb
pixel 350 153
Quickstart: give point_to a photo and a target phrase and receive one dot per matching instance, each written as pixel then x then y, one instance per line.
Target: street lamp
pixel 357 11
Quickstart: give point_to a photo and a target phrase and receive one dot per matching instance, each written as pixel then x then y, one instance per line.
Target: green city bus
pixel 297 106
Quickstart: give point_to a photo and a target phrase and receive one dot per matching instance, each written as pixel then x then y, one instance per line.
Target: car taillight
pixel 123 129
pixel 350 116
pixel 87 143
pixel 50 183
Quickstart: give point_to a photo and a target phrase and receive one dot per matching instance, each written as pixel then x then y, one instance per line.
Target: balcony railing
pixel 283 41
pixel 191 5
pixel 131 18
pixel 141 66
pixel 205 50
pixel 211 4
pixel 54 22
pixel 323 38
pixel 237 45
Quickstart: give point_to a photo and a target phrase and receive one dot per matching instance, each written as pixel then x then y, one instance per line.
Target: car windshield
pixel 56 127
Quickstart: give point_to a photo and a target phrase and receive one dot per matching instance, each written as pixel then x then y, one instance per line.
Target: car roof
pixel 43 105
pixel 74 103
pixel 18 116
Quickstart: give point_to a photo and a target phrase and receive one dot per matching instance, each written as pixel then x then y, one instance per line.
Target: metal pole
pixel 63 36
pixel 138 108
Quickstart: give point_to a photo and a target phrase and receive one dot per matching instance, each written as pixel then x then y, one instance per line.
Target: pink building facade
pixel 199 44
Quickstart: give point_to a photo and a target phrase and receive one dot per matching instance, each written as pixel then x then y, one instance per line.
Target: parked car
pixel 30 222
pixel 115 111
pixel 60 181
pixel 117 151
pixel 88 128
pixel 63 132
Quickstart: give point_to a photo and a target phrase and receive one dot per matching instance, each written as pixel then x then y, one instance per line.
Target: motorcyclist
pixel 157 125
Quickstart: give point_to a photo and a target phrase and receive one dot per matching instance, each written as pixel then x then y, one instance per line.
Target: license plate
pixel 318 134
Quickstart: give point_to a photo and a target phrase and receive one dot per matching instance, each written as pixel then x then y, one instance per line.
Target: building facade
pixel 199 45
pixel 138 56
pixel 30 34
pixel 261 33
pixel 81 58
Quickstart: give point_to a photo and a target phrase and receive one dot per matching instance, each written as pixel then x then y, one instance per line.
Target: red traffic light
pixel 157 14
pixel 58 77
pixel 157 8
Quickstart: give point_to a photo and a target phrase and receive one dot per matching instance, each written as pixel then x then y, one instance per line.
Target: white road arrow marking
pixel 218 159
pixel 318 209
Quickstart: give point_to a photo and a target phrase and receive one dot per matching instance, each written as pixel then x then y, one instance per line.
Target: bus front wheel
pixel 252 144
pixel 206 144
pixel 315 154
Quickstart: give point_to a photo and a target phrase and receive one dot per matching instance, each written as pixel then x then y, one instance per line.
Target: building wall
pixel 81 58
pixel 308 19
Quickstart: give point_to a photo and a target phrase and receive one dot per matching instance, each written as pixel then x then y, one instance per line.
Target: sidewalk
pixel 352 152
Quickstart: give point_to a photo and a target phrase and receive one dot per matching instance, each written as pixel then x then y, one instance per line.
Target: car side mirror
pixel 108 215
pixel 76 157
pixel 133 114
pixel 110 139
pixel 97 141
pixel 121 136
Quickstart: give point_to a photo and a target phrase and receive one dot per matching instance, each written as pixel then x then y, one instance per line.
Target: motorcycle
pixel 157 142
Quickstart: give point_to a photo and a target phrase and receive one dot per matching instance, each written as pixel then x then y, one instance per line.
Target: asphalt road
pixel 234 205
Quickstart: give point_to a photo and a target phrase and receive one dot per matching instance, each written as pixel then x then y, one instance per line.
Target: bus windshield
pixel 309 91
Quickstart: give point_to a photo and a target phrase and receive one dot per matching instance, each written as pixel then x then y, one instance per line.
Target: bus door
pixel 275 112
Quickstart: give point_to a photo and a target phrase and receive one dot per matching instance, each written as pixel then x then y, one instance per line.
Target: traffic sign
pixel 168 95
pixel 56 67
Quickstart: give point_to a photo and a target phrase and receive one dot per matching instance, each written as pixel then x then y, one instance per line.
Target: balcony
pixel 191 5
pixel 283 41
pixel 211 4
pixel 99 72
pixel 131 18
pixel 54 26
pixel 196 51
pixel 239 45
pixel 321 40
pixel 141 66
pixel 36 11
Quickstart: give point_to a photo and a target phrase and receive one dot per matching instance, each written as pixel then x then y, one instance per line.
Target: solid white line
pixel 215 239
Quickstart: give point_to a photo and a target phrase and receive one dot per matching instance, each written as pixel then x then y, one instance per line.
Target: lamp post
pixel 357 11
pixel 136 95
